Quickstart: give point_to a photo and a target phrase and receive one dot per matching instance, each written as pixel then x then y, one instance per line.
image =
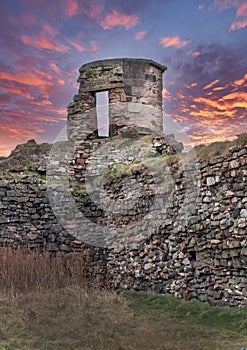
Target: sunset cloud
pixel 94 9
pixel 50 29
pixel 240 21
pixel 236 100
pixel 241 81
pixel 208 86
pixel 54 67
pixel 239 24
pixel 196 53
pixel 71 8
pixel 10 135
pixel 14 88
pixel 38 79
pixel 140 35
pixel 77 46
pixel 116 18
pixel 173 41
pixel 93 46
pixel 210 109
pixel 44 42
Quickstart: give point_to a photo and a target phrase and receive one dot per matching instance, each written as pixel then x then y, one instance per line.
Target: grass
pixel 76 318
pixel 205 152
pixel 23 271
pixel 47 304
pixel 116 170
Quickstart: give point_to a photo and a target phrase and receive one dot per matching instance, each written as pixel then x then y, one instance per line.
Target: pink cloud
pixel 173 41
pixel 116 18
pixel 54 67
pixel 140 35
pixel 44 42
pixel 239 24
pixel 49 29
pixel 201 7
pixel 242 10
pixel 93 46
pixel 240 21
pixel 226 4
pixel 71 8
pixel 13 88
pixel 37 79
pixel 94 10
pixel 78 46
pixel 196 53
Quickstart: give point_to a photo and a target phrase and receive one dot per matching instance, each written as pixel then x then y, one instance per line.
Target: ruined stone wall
pixel 27 221
pixel 202 255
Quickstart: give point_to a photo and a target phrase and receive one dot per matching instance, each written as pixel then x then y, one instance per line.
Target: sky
pixel 44 43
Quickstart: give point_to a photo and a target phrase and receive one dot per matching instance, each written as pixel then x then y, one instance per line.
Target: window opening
pixel 102 112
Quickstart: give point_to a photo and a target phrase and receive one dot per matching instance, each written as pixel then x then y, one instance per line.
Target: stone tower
pixel 134 96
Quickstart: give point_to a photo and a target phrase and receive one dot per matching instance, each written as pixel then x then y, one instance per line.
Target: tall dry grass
pixel 23 271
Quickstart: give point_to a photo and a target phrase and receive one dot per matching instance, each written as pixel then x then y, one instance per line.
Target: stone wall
pixel 201 254
pixel 27 221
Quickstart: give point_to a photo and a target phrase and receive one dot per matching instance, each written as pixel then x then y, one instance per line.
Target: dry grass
pixel 47 305
pixel 24 271
pixel 205 152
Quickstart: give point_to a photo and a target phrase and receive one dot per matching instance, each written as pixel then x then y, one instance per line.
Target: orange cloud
pixel 38 79
pixel 140 35
pixel 215 104
pixel 54 67
pixel 44 42
pixel 166 94
pixel 241 81
pixel 18 89
pixel 189 86
pixel 71 8
pixel 236 100
pixel 219 88
pixel 173 41
pixel 116 18
pixel 208 86
pixel 12 134
pixel 43 103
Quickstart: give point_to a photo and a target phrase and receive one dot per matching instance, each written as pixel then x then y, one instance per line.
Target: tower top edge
pixel 121 61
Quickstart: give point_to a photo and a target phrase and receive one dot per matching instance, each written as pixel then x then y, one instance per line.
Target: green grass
pixel 116 170
pixel 76 318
